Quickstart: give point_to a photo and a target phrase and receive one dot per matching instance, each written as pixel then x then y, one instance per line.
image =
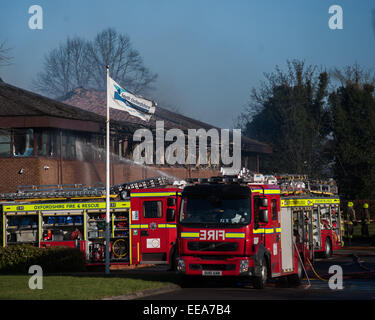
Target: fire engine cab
pixel 237 226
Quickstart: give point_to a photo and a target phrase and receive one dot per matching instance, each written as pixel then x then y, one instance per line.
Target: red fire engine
pixel 142 227
pixel 321 206
pixel 238 227
pixel 253 227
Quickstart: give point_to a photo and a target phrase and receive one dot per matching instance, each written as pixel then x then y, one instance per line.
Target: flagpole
pixel 107 192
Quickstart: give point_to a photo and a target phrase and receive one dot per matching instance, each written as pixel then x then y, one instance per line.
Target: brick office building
pixel 47 142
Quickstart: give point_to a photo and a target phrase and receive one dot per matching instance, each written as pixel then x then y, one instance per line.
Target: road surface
pixel 358 283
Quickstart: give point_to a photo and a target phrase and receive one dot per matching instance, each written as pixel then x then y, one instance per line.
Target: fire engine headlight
pixel 181 266
pixel 244 266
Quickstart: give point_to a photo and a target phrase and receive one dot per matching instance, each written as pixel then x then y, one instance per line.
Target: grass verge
pixel 82 287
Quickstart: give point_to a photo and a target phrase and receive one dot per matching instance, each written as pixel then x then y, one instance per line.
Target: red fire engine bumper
pixel 234 266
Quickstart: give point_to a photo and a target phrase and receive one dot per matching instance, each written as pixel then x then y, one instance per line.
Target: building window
pixel 68 146
pixel 48 143
pixel 23 142
pixel 4 143
pixel 152 209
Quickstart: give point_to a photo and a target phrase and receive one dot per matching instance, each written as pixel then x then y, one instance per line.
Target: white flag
pixel 121 99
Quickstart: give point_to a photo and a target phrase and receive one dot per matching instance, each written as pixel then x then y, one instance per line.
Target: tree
pixel 81 63
pixel 65 68
pixel 352 106
pixel 125 63
pixel 5 58
pixel 288 113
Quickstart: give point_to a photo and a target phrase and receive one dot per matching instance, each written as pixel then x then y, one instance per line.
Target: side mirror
pixel 171 202
pixel 171 215
pixel 263 216
pixel 264 202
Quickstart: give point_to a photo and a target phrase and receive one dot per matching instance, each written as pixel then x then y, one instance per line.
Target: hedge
pixel 18 259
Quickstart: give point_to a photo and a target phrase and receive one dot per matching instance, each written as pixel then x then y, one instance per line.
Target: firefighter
pixel 365 220
pixel 350 220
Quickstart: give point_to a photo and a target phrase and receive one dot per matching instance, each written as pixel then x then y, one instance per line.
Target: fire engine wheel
pixel 328 248
pixel 259 282
pixel 296 279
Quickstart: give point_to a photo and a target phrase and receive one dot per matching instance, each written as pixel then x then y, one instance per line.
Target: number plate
pixel 211 273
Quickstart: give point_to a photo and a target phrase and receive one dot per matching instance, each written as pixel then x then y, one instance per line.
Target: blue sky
pixel 208 54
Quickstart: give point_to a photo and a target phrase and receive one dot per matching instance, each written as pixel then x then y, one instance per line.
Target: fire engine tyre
pixel 259 282
pixel 296 279
pixel 328 248
pixel 172 259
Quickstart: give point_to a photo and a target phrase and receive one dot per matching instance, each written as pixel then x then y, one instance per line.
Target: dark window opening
pixel 48 142
pixel 152 209
pixel 23 142
pixel 4 143
pixel 274 209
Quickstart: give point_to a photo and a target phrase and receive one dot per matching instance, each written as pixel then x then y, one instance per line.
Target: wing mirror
pixel 263 202
pixel 171 202
pixel 171 215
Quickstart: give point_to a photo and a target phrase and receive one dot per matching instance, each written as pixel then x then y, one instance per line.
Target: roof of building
pixel 90 106
pixel 94 101
pixel 17 102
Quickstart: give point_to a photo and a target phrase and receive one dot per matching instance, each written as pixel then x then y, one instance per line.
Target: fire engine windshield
pixel 216 208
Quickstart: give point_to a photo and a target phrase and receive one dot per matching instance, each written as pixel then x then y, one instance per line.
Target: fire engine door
pixel 153 230
pixel 302 230
pixel 273 236
pixel 270 231
pixel 336 222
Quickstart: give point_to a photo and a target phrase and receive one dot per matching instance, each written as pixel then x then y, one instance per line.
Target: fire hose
pixel 303 266
pixel 347 276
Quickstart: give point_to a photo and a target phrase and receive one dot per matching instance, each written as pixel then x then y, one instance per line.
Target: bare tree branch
pixel 78 63
pixel 65 68
pixel 5 58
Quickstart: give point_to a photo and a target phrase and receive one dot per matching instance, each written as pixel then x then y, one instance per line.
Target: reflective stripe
pixel 256 231
pixel 64 206
pixel 272 191
pixel 235 235
pixel 307 202
pixel 168 225
pixel 139 226
pixel 267 231
pixel 190 234
pixel 152 194
pixel 145 226
pixel 267 191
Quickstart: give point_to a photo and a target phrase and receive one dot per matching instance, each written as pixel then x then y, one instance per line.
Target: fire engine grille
pixel 212 246
pixel 212 267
